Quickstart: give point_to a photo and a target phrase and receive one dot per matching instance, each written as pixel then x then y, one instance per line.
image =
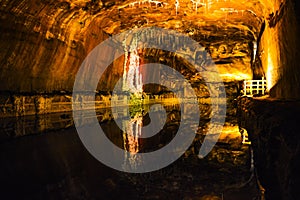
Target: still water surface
pixel 52 163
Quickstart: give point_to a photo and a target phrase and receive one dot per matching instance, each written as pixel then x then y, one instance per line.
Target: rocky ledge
pixel 273 129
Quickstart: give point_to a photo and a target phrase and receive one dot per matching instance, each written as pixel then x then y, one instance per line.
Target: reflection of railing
pixel 255 87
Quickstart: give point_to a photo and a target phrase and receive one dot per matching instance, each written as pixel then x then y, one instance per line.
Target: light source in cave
pixel 254 49
pixel 177 5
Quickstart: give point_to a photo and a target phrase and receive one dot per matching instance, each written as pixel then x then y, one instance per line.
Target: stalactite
pixel 132 78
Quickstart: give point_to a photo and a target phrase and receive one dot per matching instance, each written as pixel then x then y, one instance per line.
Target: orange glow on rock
pixel 269 72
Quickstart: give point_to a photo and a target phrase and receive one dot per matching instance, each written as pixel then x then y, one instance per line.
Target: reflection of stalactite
pixel 131 140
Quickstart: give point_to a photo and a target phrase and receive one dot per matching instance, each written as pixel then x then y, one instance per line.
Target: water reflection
pixel 131 139
pixel 55 165
pixel 142 128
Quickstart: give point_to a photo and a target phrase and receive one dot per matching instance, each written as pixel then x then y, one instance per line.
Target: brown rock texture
pixel 43 43
pixel 279 47
pixel 273 129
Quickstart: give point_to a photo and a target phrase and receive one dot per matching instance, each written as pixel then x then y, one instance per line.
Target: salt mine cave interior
pixel 149 99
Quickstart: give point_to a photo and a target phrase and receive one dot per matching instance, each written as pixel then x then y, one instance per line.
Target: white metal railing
pixel 255 87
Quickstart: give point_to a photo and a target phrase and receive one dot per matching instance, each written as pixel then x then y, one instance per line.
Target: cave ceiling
pixel 227 28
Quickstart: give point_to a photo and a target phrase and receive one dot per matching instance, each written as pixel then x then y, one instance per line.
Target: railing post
pixel 245 92
pixel 251 92
pixel 263 85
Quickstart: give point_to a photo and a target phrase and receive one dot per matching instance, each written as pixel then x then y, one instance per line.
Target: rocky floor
pixel 273 127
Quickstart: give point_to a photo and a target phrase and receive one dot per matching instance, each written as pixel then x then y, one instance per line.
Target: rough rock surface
pixel 273 129
pixel 279 50
pixel 44 42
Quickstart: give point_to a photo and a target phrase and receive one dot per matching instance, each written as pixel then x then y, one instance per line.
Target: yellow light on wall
pixel 270 71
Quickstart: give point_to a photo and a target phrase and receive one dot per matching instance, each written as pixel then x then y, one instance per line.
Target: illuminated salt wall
pixel 270 57
pixel 279 47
